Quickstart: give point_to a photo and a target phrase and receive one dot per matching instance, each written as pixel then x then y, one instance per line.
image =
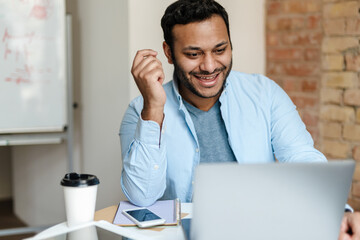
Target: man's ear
pixel 167 52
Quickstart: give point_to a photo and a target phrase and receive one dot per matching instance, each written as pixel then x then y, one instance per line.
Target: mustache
pixel 217 70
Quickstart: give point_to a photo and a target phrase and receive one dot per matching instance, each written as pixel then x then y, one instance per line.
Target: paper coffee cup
pixel 80 197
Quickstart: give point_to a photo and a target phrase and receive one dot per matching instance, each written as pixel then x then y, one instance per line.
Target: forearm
pixel 143 177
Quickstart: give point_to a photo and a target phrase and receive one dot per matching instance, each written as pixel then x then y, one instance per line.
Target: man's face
pixel 202 57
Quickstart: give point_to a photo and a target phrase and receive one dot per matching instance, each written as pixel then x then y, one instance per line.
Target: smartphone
pixel 143 217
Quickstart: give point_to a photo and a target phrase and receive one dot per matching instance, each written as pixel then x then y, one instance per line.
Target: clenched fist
pixel 149 76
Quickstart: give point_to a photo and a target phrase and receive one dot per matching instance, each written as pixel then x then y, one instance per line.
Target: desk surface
pixel 108 214
pixel 104 218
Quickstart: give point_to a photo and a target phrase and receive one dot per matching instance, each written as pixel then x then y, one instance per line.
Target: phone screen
pixel 143 215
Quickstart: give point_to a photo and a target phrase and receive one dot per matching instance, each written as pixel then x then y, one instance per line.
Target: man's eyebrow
pixel 191 48
pixel 221 44
pixel 198 48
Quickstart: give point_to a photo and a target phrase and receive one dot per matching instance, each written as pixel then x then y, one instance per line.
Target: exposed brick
pixel 291 85
pixel 302 69
pixel 356 153
pixel 338 44
pixel 277 79
pixel 352 61
pixel 303 38
pixel 309 86
pixel 336 149
pixel 285 24
pixel 312 54
pixel 358 115
pixel 341 9
pixel 304 6
pixel 299 69
pixel 273 68
pixel 357 172
pixel 354 203
pixel 351 132
pixel 337 113
pixel 274 8
pixel 272 39
pixel 333 62
pixel 314 132
pixel 285 54
pixel 271 23
pixel 353 26
pixel 314 22
pixel 330 130
pixel 352 97
pixel 334 26
pixel 340 79
pixel 310 119
pixel 356 189
pixel 304 101
pixel 331 95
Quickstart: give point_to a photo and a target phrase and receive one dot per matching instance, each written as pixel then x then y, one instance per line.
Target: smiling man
pixel 207 113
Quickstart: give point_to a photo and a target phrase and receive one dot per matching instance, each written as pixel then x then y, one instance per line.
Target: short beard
pixel 180 76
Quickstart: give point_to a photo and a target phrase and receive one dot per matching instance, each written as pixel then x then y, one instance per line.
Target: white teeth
pixel 207 78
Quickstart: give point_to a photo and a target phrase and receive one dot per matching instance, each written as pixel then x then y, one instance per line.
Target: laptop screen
pixel 294 201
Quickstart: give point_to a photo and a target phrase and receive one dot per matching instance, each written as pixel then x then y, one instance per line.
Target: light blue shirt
pixel 259 117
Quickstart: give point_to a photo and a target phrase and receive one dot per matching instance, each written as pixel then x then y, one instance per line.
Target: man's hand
pixel 350 227
pixel 149 75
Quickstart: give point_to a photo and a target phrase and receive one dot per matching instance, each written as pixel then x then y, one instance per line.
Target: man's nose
pixel 208 63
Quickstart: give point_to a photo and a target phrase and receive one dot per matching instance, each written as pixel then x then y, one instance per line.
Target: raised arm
pixel 143 178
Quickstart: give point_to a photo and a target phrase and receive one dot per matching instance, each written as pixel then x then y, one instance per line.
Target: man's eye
pixel 219 51
pixel 192 55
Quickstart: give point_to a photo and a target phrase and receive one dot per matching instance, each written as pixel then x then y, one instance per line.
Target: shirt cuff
pixel 348 208
pixel 148 132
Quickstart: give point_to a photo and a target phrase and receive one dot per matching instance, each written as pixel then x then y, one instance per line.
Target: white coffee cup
pixel 80 197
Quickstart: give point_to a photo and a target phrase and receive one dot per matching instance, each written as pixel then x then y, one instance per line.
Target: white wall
pixel 104 75
pixel 145 32
pixel 106 36
pixel 37 171
pixel 247 30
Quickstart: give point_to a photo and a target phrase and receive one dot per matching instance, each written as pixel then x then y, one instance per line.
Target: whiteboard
pixel 33 96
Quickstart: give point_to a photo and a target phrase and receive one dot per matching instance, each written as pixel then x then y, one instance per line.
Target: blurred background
pixel 309 47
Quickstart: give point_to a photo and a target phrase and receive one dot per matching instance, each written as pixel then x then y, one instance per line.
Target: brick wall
pixel 294 36
pixel 313 52
pixel 340 92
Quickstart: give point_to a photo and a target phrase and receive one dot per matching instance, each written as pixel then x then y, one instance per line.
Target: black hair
pixel 188 11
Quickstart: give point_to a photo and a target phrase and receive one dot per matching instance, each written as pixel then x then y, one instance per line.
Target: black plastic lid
pixel 79 180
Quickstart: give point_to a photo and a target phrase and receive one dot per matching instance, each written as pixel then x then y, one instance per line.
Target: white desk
pixel 103 218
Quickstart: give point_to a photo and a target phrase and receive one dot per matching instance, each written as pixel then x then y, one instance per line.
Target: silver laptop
pixel 297 201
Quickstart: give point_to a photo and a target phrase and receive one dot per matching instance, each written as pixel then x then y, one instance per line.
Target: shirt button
pixel 163 131
pixel 192 182
pixel 197 150
pixel 156 167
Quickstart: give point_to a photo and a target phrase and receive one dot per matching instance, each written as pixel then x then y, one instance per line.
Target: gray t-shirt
pixel 211 133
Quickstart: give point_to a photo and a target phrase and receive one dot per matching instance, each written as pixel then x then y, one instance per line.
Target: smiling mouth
pixel 207 78
pixel 208 81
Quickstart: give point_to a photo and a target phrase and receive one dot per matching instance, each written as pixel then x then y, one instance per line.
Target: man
pixel 208 113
